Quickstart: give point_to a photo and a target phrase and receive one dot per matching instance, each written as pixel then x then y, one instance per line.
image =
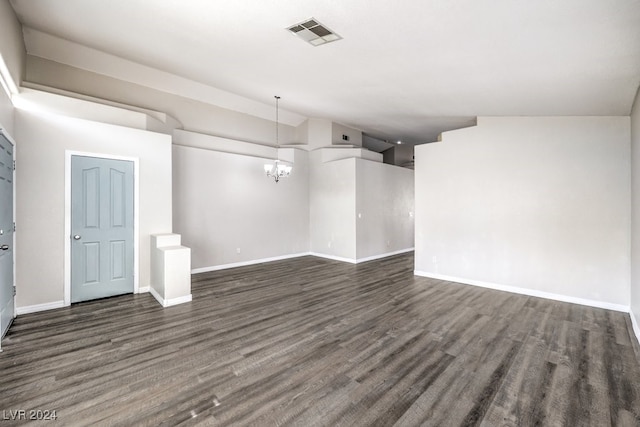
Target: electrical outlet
pixel 237 250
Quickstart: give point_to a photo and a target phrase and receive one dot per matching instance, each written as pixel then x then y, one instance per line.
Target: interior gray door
pixel 6 235
pixel 101 228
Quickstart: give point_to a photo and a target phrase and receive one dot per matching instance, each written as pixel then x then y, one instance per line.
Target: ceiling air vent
pixel 313 32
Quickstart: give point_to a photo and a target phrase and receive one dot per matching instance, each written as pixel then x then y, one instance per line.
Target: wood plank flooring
pixel 313 342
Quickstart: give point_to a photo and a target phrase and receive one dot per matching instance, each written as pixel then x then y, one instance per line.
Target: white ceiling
pixel 404 69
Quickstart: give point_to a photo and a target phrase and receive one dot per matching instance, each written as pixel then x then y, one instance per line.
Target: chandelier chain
pixel 277 127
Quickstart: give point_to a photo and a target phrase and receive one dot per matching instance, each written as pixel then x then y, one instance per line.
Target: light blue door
pixel 6 235
pixel 101 228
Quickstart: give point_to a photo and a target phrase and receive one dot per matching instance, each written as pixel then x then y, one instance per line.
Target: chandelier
pixel 277 169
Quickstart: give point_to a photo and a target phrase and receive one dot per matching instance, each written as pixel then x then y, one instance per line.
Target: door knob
pixel 4 247
pixel 76 237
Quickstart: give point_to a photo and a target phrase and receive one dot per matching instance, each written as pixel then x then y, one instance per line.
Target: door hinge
pixel 14 291
pixel 14 226
pixel 14 165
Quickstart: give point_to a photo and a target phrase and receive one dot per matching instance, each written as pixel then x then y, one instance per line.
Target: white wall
pixel 224 201
pixel 635 218
pixel 332 187
pixel 540 204
pixel 41 194
pixel 384 208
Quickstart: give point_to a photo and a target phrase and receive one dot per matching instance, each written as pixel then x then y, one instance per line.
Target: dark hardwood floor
pixel 312 342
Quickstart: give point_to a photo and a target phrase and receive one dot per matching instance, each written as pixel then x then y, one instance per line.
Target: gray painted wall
pixel 404 154
pixel 332 210
pixel 13 55
pixel 6 112
pixel 224 201
pixel 319 132
pixel 384 208
pixel 40 207
pixel 12 46
pixel 360 208
pixel 193 115
pixel 354 135
pixel 535 203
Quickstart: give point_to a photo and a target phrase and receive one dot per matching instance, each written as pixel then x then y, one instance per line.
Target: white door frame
pixel 67 217
pixel 6 134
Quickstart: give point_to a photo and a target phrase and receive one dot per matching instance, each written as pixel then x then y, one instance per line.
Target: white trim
pixel 388 254
pixel 334 258
pixel 525 291
pixel 40 307
pixel 175 301
pixel 169 302
pixel 67 217
pixel 156 295
pixel 636 327
pixel 143 289
pixel 301 254
pixel 245 263
pixel 5 132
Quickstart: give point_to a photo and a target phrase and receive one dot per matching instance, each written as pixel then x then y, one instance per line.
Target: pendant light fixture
pixel 277 169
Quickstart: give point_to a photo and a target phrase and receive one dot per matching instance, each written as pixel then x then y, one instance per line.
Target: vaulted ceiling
pixel 404 70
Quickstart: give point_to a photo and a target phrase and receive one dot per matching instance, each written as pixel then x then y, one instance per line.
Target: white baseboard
pixel 180 300
pixel 301 254
pixel 636 327
pixel 39 307
pixel 171 301
pixel 525 291
pixel 144 289
pixel 359 260
pixel 157 296
pixel 385 255
pixel 245 263
pixel 333 257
